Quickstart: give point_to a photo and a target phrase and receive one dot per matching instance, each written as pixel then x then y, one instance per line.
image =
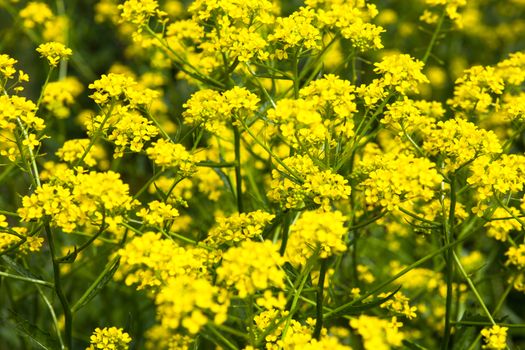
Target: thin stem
pixel 147 184
pixel 35 174
pixel 320 299
pixel 42 91
pixel 68 315
pixel 53 315
pixel 238 175
pixel 73 255
pixel 95 136
pixel 218 334
pixel 295 71
pixel 434 37
pixel 27 279
pixel 473 288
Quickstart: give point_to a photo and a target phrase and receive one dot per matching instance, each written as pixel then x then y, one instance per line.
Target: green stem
pixel 448 226
pixel 96 134
pixel 496 310
pixel 35 174
pixel 223 339
pixel 72 256
pixel 473 288
pixel 434 37
pixel 238 175
pixel 320 299
pixel 285 230
pixel 147 184
pixel 295 71
pixel 42 91
pixel 27 279
pixel 53 315
pixel 68 315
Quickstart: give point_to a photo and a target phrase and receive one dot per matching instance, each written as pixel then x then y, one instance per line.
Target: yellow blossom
pixel 112 338
pixel 54 52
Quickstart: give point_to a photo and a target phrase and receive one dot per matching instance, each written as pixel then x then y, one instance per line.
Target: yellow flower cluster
pixel 378 334
pixel 473 91
pixel 399 304
pixel 238 43
pixel 406 116
pixel 321 187
pixel 73 150
pixel 460 142
pixel 321 117
pixel 296 336
pixel 503 175
pixel 8 71
pixel 502 224
pixel 54 52
pixel 112 338
pixel 512 69
pixel 78 199
pixel 451 9
pixel 298 30
pixel 12 236
pixel 158 213
pixel 243 11
pixel 250 267
pixel 37 16
pixel 58 96
pixel 239 227
pixel 212 109
pixel 120 87
pixel 139 11
pixel 35 13
pixel 150 261
pixel 334 98
pixel 401 72
pixel 167 154
pixel 516 256
pixel 396 178
pixel 316 231
pixel 352 20
pixel 299 122
pixel 495 337
pixel 186 301
pixel 17 115
pixel 237 32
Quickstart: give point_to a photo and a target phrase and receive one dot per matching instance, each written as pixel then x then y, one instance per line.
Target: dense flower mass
pixel 262 174
pixel 112 338
pixel 252 266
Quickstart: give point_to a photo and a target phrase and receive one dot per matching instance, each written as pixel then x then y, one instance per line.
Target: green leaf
pixel 103 279
pixel 41 338
pixel 19 268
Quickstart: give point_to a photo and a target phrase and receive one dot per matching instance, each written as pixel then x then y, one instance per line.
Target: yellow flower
pixel 495 337
pixel 171 155
pixel 251 267
pixel 378 334
pixel 112 338
pixel 239 227
pixel 316 230
pixel 401 72
pixel 54 52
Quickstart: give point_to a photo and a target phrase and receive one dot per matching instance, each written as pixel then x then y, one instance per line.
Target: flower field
pixel 262 174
